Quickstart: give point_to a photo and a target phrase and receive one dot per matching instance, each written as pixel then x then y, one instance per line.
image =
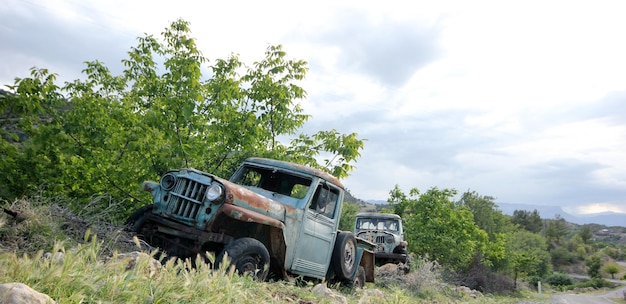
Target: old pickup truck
pixel 271 218
pixel 384 230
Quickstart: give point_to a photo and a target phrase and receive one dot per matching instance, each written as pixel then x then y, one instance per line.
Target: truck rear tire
pixel 344 256
pixel 249 257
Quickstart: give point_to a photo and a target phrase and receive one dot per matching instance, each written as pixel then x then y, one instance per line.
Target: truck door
pixel 319 230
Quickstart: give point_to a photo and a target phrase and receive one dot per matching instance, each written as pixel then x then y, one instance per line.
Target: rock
pixel 134 257
pixel 58 257
pixel 322 290
pixel 18 293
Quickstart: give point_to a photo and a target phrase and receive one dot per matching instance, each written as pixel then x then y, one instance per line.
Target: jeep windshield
pixel 391 225
pixel 272 180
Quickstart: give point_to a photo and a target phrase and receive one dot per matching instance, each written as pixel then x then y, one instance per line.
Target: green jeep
pixel 271 218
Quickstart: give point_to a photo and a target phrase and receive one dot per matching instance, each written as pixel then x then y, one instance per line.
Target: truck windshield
pixel 377 224
pixel 273 180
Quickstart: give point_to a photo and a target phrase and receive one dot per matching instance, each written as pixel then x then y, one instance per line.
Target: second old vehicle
pixel 271 218
pixel 385 230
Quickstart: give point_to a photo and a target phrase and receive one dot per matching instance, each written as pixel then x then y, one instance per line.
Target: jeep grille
pixel 186 198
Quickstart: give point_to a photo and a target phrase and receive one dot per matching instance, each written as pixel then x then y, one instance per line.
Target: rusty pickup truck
pixel 270 219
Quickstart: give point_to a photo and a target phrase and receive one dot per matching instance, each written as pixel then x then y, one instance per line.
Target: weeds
pixel 77 260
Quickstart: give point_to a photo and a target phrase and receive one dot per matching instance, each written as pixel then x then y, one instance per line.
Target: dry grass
pixel 84 266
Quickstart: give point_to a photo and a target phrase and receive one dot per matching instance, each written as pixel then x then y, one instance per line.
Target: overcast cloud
pixel 524 101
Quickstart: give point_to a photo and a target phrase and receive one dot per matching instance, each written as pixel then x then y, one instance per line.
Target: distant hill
pixel 609 219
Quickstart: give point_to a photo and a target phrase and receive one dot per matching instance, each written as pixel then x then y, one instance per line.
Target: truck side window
pixel 325 201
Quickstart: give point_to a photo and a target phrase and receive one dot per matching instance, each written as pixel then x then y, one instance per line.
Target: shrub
pixel 559 279
pixel 596 283
pixel 561 256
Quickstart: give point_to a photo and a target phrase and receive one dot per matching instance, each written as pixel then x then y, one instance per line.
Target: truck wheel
pixel 137 219
pixel 249 257
pixel 344 255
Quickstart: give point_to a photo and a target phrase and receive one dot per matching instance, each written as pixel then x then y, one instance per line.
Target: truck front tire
pixel 248 256
pixel 136 220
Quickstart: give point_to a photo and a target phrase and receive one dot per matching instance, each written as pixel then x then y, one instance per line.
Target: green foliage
pixel 528 255
pixel 612 269
pixel 530 221
pixel 556 229
pixel 561 256
pixel 594 263
pixel 438 228
pixel 348 216
pixel 486 214
pixel 585 233
pixel 596 283
pixel 559 279
pixel 106 134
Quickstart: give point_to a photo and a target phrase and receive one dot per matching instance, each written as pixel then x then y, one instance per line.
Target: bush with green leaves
pixel 106 134
pixel 559 279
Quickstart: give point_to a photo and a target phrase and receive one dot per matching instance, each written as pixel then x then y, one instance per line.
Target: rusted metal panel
pixel 242 197
pixel 246 215
pixel 367 261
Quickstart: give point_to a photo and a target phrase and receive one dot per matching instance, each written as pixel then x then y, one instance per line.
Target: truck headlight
pixel 168 181
pixel 214 192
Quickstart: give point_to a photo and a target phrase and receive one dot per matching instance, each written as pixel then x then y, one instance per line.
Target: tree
pixel 594 263
pixel 105 134
pixel 612 269
pixel 348 216
pixel 438 228
pixel 585 233
pixel 556 229
pixel 530 221
pixel 528 254
pixel 486 214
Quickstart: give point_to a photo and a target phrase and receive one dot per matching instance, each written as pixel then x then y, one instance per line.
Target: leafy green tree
pixel 489 218
pixel 400 202
pixel 594 264
pixel 348 216
pixel 528 220
pixel 438 228
pixel 556 229
pixel 105 134
pixel 612 269
pixel 585 233
pixel 528 254
pixel 486 214
pixel 33 103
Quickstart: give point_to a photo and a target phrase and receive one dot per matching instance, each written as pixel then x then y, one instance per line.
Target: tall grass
pixel 77 260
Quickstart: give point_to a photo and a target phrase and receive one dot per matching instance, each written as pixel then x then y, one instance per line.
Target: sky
pixel 524 101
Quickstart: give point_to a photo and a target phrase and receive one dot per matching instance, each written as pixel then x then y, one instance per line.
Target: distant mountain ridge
pixel 608 219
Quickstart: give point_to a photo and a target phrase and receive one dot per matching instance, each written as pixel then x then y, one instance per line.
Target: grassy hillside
pixel 89 265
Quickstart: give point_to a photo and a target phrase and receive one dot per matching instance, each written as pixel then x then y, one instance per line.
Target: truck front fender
pixel 245 215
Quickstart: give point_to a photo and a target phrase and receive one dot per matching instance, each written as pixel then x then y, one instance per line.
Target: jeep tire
pixel 248 256
pixel 344 256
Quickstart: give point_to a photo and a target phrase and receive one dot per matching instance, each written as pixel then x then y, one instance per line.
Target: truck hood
pixel 247 199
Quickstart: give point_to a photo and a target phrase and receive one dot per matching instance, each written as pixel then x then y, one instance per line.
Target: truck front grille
pixel 380 239
pixel 186 198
